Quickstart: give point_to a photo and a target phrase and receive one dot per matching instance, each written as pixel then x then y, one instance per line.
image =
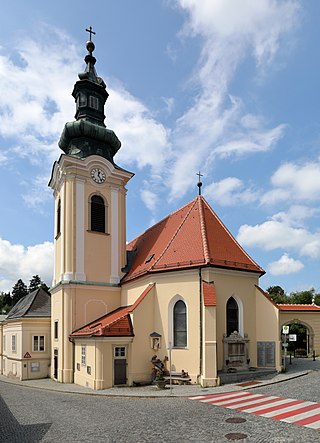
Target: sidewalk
pixel 299 367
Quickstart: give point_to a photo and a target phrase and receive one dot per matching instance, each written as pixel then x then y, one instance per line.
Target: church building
pixel 184 286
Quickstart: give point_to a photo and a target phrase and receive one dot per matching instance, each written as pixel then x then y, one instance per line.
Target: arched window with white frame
pixel 232 316
pixel 180 324
pixel 98 214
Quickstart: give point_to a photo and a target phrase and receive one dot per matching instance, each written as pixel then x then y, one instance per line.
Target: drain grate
pixel 235 420
pixel 236 436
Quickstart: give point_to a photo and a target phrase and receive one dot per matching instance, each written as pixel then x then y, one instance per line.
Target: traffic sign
pixel 285 330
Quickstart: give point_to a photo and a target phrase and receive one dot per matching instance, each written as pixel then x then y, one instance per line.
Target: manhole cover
pixel 235 420
pixel 235 436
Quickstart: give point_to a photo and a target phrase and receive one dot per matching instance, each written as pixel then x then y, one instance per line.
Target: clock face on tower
pixel 98 175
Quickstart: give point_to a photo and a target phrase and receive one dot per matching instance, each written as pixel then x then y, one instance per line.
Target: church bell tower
pixel 90 219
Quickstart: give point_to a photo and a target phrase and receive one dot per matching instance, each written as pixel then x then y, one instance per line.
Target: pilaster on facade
pixel 80 230
pixel 115 275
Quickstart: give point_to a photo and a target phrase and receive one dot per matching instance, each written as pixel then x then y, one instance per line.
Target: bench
pixel 175 378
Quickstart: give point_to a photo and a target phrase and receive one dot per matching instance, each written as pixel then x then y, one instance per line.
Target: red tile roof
pixel 209 294
pixel 288 307
pixel 115 324
pixel 192 236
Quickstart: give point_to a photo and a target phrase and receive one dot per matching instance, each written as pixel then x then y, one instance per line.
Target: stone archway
pixel 309 334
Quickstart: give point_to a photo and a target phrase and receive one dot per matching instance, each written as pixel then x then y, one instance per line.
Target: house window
pixel 98 214
pixel 120 351
pixel 38 343
pixel 56 330
pixel 59 218
pixel 93 102
pixel 180 325
pixel 232 316
pixel 14 343
pixel 83 355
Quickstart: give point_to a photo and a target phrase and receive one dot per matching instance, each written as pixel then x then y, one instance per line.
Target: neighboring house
pixel 26 344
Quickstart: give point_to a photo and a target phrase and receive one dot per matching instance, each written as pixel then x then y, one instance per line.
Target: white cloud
pixel 296 215
pixel 280 233
pixel 229 191
pixel 217 124
pixel 258 24
pixel 170 103
pixel 37 192
pixel 145 141
pixel 285 265
pixel 299 182
pixel 150 199
pixel 17 261
pixel 35 92
pixel 35 96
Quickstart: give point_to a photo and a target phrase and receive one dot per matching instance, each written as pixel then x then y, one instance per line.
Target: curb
pixel 180 395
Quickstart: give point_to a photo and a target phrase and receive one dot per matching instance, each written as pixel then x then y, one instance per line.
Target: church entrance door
pixel 120 365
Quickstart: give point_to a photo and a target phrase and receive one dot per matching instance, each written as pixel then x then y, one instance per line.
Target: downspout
pixel 71 340
pixel 201 325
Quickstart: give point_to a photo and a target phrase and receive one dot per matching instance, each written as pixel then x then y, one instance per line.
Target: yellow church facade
pixel 184 288
pixel 183 296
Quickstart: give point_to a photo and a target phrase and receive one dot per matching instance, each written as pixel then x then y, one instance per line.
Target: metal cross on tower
pixel 90 32
pixel 199 184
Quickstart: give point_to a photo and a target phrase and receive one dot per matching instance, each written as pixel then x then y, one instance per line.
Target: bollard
pixel 290 362
pixel 314 355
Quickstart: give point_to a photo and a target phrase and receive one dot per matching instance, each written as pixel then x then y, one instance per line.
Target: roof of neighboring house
pixel 301 307
pixel 192 236
pixel 35 304
pixel 115 324
pixel 209 294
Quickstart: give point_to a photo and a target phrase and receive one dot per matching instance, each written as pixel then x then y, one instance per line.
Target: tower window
pixel 232 316
pixel 59 217
pixel 82 99
pixel 93 102
pixel 180 325
pixel 98 214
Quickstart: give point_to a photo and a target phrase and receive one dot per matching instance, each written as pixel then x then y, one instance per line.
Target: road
pixel 33 415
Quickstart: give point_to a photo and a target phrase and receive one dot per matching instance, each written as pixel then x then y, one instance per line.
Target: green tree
pixel 5 302
pixel 19 290
pixel 317 299
pixel 302 297
pixel 278 295
pixel 34 283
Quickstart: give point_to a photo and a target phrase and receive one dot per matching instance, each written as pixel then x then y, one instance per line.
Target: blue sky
pixel 227 87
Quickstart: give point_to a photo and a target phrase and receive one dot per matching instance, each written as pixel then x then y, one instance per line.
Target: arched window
pixel 98 214
pixel 180 324
pixel 59 218
pixel 232 316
